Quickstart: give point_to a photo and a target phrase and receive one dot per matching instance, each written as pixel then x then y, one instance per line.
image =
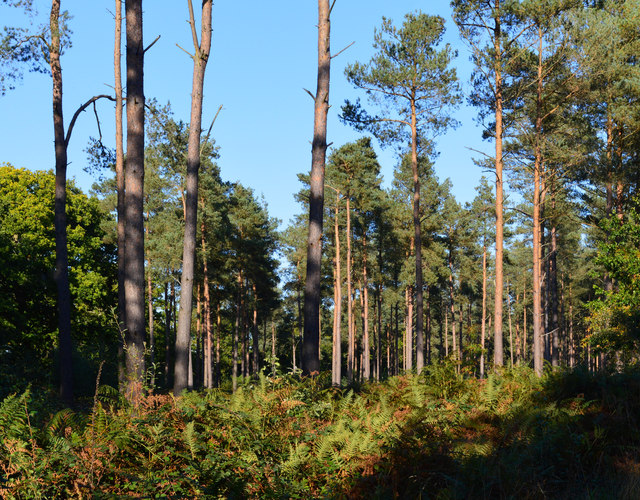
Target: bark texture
pixel 201 57
pixel 61 274
pixel 311 337
pixel 134 183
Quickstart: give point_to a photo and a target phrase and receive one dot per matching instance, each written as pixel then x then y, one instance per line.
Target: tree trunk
pixel 366 351
pixel 218 324
pixel 152 340
pixel 498 358
pixel 452 306
pixel 510 325
pixel 117 67
pixel 236 331
pixel 379 332
pixel 61 274
pixel 311 339
pixel 208 376
pixel 134 189
pixel 537 250
pixel 408 336
pixel 200 59
pixel 418 239
pixel 254 335
pixel 554 323
pixel 350 325
pixel 273 348
pixel 483 327
pixel 336 358
pixel 167 334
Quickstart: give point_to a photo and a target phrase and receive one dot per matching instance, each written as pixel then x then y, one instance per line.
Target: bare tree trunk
pixel 201 56
pixel 428 328
pixel 537 250
pixel 167 334
pixel 379 332
pixel 524 320
pixel 446 333
pixel 236 332
pixel 499 280
pixel 553 290
pixel 418 239
pixel 350 325
pixel 311 338
pixel 134 188
pixel 152 340
pixel 117 67
pixel 336 359
pixel 408 337
pixel 218 324
pixel 366 348
pixel 256 344
pixel 208 376
pixel 483 327
pixel 452 305
pixel 273 347
pixel 510 325
pixel 61 274
pixel 396 360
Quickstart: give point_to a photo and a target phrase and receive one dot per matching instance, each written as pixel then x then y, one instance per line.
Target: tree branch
pixel 310 94
pixel 186 52
pixel 80 110
pixel 152 43
pixel 95 112
pixel 340 52
pixel 192 22
pixel 206 139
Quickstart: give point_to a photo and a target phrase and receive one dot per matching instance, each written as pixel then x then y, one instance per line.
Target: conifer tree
pixel 412 83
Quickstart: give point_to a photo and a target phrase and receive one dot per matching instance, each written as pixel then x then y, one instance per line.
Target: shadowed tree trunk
pixel 311 338
pixel 60 218
pixel 200 58
pixel 134 183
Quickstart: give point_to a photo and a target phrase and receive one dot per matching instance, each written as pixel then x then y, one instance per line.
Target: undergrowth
pixel 568 435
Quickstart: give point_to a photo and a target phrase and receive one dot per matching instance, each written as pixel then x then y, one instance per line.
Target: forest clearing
pixel 402 335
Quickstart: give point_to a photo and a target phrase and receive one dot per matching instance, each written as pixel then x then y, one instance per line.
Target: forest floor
pixel 441 436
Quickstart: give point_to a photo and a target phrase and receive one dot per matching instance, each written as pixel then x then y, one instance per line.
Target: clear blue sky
pixel 263 55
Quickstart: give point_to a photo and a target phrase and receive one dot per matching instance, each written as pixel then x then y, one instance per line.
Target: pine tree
pixel 415 87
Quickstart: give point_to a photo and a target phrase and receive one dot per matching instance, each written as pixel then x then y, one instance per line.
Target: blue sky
pixel 263 55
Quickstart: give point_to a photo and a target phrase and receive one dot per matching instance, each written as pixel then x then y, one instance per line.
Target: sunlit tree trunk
pixel 200 59
pixel 336 359
pixel 120 209
pixel 311 338
pixel 498 358
pixel 366 348
pixel 350 326
pixel 484 310
pixel 537 250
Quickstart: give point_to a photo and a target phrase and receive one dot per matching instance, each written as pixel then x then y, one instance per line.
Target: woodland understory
pixel 164 336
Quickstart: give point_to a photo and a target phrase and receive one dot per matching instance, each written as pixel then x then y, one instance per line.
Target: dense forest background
pixel 537 278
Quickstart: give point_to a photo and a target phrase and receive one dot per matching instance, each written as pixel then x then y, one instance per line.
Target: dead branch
pixel 340 52
pixel 152 43
pixel 80 110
